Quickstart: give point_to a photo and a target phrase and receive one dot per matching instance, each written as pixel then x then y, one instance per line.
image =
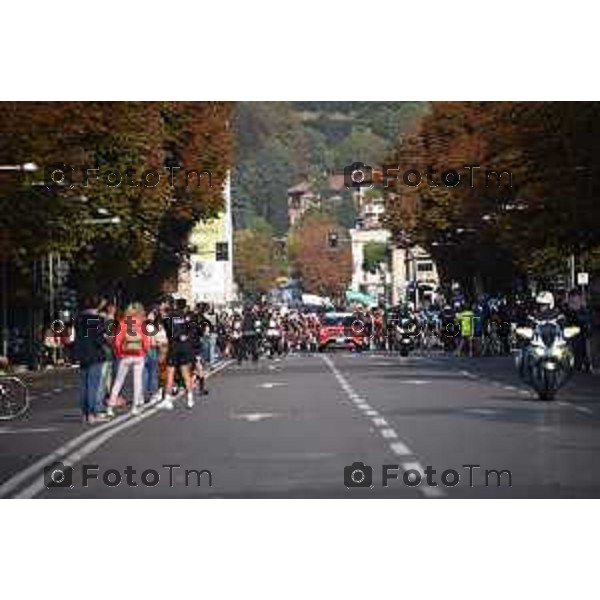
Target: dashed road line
pixel 388 434
pixel 400 449
pixel 397 446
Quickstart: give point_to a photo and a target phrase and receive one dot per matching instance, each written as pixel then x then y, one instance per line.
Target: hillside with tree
pixel 278 143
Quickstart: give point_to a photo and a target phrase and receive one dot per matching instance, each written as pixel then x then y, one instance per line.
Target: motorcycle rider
pixel 449 328
pixel 545 311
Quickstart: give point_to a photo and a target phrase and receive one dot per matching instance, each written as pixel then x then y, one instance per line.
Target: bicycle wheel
pixel 14 399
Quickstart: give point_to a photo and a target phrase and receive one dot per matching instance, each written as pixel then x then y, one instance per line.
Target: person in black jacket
pixel 90 352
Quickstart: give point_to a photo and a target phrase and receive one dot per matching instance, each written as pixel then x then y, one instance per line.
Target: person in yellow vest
pixel 465 320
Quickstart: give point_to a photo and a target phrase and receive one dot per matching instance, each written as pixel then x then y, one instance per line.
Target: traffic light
pixel 222 251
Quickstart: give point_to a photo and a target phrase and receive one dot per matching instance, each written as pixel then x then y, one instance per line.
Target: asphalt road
pixel 288 428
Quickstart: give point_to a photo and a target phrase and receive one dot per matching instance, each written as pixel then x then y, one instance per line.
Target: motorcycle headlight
pixel 539 351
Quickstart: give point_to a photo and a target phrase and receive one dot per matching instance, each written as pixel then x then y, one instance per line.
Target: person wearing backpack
pixel 89 352
pixel 131 346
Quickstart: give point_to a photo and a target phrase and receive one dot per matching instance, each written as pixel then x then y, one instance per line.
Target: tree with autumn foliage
pixel 149 241
pixel 256 260
pixel 321 254
pixel 483 231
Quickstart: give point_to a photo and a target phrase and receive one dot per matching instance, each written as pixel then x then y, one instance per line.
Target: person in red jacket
pixel 131 344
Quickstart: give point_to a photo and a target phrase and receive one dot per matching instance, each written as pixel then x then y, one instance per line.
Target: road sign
pixel 222 250
pixel 583 278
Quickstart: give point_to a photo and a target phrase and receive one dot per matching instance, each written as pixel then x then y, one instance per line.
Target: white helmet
pixel 546 299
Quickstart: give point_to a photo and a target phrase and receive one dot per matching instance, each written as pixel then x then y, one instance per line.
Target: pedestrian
pixel 89 352
pixel 131 346
pixel 158 342
pixel 180 356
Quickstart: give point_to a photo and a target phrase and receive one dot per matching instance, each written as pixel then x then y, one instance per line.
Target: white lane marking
pixel 253 417
pixel 414 381
pixel 469 375
pixel 270 384
pixel 582 409
pixel 509 387
pixel 388 434
pixel 57 390
pixel 9 430
pixel 380 422
pixel 113 427
pixel 15 481
pixel 400 449
pixel 397 447
pixel 413 466
pixel 483 411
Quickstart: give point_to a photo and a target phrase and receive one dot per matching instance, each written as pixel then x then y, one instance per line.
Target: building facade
pixel 209 275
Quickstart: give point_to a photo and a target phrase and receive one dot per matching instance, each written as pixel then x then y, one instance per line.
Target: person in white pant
pixel 131 345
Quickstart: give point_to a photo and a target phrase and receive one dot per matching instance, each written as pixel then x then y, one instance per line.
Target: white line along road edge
pixel 65 452
pixel 398 447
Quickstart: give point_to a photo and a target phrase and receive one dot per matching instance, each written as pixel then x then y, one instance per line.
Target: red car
pixel 341 330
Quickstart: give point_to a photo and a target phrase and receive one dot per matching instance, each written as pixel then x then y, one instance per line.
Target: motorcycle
pixel 405 332
pixel 546 361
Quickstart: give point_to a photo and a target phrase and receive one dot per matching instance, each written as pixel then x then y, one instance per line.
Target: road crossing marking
pixel 379 421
